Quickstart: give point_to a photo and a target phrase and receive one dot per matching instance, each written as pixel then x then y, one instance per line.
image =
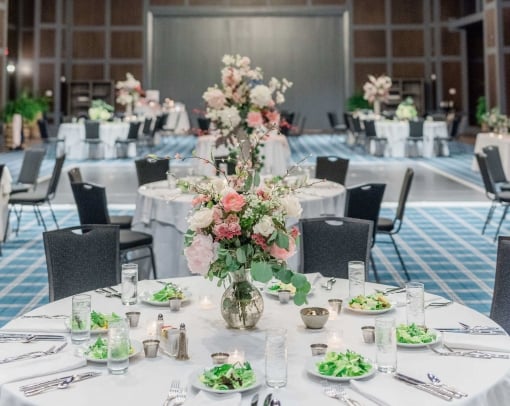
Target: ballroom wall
pixel 64 40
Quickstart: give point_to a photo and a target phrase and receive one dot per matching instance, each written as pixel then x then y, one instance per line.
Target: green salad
pixel 346 364
pixel 99 350
pixel 99 321
pixel 229 376
pixel 169 291
pixel 370 302
pixel 414 334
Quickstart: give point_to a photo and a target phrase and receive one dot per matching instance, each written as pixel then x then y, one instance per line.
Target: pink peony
pixel 233 201
pixel 254 119
pixel 260 241
pixel 230 228
pixel 201 254
pixel 282 253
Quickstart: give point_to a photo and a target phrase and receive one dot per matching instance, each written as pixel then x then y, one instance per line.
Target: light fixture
pixel 10 68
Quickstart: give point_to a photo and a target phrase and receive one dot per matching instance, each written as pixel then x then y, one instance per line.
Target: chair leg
pixel 489 217
pixel 37 215
pixel 153 262
pixel 376 275
pixel 53 214
pixel 18 218
pixel 400 257
pixel 37 208
pixel 7 224
pixel 500 222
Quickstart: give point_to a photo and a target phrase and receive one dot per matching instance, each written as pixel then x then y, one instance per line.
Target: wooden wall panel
pixel 507 81
pixel 450 42
pixel 408 70
pixel 88 44
pixel 489 28
pixel 118 71
pixel 452 78
pixel 27 43
pixel 368 12
pixel 127 44
pixel 3 39
pixel 126 12
pixel 208 2
pixel 89 12
pixel 47 43
pixel 407 12
pixel 46 77
pixel 48 11
pixel 362 70
pixel 369 43
pixel 88 72
pixel 491 81
pixel 506 28
pixel 288 2
pixel 450 9
pixel 250 3
pixel 27 16
pixel 328 2
pixel 407 43
pixel 167 2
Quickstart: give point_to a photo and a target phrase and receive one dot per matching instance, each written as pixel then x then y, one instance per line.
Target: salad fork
pixel 180 398
pixel 174 391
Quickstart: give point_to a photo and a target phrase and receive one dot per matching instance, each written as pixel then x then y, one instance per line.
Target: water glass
pixel 129 284
pixel 171 179
pixel 276 358
pixel 415 307
pixel 80 319
pixel 386 344
pixel 356 271
pixel 118 346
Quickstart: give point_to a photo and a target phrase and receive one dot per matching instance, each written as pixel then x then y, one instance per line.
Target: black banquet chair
pixel 122 144
pixel 81 258
pixel 496 167
pixel 332 168
pixel 51 142
pixel 93 209
pixel 151 170
pixel 329 243
pixel 30 167
pixel 500 309
pixel 92 139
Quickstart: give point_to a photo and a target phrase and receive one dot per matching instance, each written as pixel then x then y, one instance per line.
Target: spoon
pixel 65 383
pixel 329 284
pixel 437 382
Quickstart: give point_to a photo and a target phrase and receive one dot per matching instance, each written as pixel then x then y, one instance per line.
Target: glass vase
pixel 242 303
pixel 377 107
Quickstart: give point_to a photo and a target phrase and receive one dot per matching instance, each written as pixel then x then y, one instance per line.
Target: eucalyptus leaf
pixel 261 271
pixel 282 240
pixel 300 298
pixel 241 256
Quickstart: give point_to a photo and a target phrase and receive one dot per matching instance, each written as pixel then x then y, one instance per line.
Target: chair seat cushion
pixel 504 186
pixel 27 198
pixel 122 221
pixel 385 224
pixel 20 187
pixel 504 196
pixel 93 141
pixel 132 239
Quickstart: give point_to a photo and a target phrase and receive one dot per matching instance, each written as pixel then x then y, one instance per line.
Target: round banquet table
pixel 487 381
pixel 275 149
pixel 163 212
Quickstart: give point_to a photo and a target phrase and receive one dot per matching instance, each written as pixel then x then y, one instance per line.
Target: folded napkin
pixel 477 342
pixel 206 398
pixel 36 325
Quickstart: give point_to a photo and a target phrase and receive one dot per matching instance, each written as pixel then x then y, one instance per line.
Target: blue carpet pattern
pixel 442 247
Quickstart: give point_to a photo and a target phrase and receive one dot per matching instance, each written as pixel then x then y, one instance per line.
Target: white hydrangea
pixel 229 116
pixel 260 95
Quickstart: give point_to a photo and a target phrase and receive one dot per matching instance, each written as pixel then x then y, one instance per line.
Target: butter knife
pixel 429 388
pixel 472 331
pixel 58 385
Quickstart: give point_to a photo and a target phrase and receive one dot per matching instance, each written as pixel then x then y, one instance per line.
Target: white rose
pixel 214 98
pixel 229 116
pixel 218 184
pixel 264 227
pixel 260 95
pixel 291 206
pixel 201 219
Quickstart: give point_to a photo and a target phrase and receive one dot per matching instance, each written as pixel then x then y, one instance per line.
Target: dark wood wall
pixel 3 47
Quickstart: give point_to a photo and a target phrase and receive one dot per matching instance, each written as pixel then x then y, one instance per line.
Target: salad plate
pixel 198 384
pixel 430 333
pixel 272 288
pixel 312 369
pixel 136 348
pixel 148 297
pixel 367 304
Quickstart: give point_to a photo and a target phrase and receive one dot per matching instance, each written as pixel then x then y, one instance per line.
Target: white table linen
pixel 147 381
pixel 397 133
pixel 163 213
pixel 5 190
pixel 178 120
pixel 75 147
pixel 275 149
pixel 502 141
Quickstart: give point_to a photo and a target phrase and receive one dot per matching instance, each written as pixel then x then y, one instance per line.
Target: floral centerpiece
pixel 128 92
pixel 406 110
pixel 243 103
pixel 100 110
pixel 496 121
pixel 377 90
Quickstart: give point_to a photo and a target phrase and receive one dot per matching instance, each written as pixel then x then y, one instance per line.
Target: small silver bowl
pixel 314 317
pixel 318 349
pixel 220 358
pixel 368 334
pixel 150 348
pixel 133 318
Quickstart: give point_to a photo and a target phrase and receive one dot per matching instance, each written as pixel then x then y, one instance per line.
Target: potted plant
pixel 357 102
pixel 481 110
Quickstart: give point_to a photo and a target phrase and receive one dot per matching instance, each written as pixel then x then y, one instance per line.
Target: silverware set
pixel 34 354
pixel 390 291
pixel 442 391
pixel 338 392
pixel 470 353
pixel 28 338
pixel 176 395
pixel 59 383
pixel 438 304
pixel 47 316
pixel 476 330
pixel 109 292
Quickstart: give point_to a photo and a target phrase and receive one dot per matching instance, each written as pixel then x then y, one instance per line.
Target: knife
pixel 56 385
pixel 472 331
pixel 429 388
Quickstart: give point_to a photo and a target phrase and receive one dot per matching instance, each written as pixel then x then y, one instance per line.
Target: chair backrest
pixel 81 258
pixel 2 166
pixel 349 123
pixel 91 203
pixel 230 164
pixel 488 183
pixel 455 125
pixel 404 193
pixel 301 127
pixel 332 168
pixel 151 170
pixel 55 176
pixel 203 123
pixel 500 309
pixel 364 202
pixel 31 166
pixel 91 130
pixel 134 127
pixel 333 120
pixel 416 129
pixel 158 124
pixel 43 128
pixel 494 163
pixel 370 128
pixel 146 129
pixel 329 243
pixel 357 125
pixel 75 175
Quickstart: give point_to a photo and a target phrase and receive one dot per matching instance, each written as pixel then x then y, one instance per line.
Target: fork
pixel 341 394
pixel 180 398
pixel 438 304
pixel 175 389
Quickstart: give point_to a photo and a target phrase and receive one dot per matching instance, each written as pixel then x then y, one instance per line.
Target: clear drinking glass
pixel 276 358
pixel 415 309
pixel 129 284
pixel 118 346
pixel 386 344
pixel 80 318
pixel 356 270
pixel 171 179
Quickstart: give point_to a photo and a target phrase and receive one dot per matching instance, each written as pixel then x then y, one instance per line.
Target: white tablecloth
pixel 178 120
pixel 499 140
pixel 275 149
pixel 147 380
pixel 5 190
pixel 74 135
pixel 163 213
pixel 397 133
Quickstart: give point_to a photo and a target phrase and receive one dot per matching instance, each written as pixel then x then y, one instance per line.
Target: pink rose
pixel 201 254
pixel 282 253
pixel 254 119
pixel 273 117
pixel 233 201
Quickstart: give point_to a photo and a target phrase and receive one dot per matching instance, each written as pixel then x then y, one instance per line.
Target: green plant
pixel 357 102
pixel 28 107
pixel 481 109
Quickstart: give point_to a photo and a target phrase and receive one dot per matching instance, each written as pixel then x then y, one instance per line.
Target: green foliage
pixel 481 109
pixel 29 107
pixel 357 102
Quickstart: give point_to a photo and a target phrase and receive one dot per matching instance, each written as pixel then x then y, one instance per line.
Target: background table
pixel 163 213
pixel 499 140
pixel 147 381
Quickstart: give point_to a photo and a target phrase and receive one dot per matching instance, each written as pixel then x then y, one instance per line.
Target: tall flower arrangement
pixel 128 91
pixel 377 88
pixel 406 110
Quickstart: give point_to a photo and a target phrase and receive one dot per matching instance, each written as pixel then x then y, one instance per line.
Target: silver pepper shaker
pixel 182 348
pixel 160 324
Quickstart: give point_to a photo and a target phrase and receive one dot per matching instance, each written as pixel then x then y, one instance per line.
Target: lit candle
pixel 152 330
pixel 205 303
pixel 236 356
pixel 335 341
pixel 332 313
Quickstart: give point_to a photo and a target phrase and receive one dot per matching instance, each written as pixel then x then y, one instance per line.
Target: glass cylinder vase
pixel 377 107
pixel 242 304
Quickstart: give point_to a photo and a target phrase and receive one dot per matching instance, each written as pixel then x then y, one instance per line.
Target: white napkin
pixel 369 390
pixel 477 342
pixel 206 398
pixel 36 325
